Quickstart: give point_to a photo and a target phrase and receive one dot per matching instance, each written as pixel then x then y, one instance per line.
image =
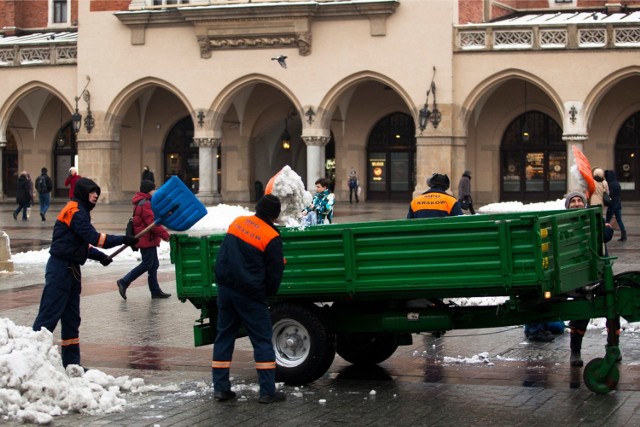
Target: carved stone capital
pixel 318 141
pixel 207 142
pixel 574 137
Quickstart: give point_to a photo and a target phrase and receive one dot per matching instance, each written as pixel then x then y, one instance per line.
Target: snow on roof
pixel 565 18
pixel 40 38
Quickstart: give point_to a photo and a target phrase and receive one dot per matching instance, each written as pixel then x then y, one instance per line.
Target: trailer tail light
pixel 545 263
pixel 545 247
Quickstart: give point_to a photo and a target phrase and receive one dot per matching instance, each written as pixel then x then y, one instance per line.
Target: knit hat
pixel 468 173
pixel 268 206
pixel 43 170
pixel 147 186
pixel 439 180
pixel 572 195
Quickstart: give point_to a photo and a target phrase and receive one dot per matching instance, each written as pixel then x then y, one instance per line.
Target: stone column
pixel 208 170
pixel 3 145
pixel 315 158
pixel 433 154
pixel 101 161
pixel 573 182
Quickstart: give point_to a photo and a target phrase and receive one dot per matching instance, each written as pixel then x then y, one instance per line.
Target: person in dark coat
pixel 74 241
pixel 44 185
pixel 23 195
pixel 616 202
pixel 71 180
pixel 148 244
pixel 147 175
pixel 435 202
pixel 464 192
pixel 249 269
pixel 577 200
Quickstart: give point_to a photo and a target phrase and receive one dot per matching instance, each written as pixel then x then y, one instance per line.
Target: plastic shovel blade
pixel 175 206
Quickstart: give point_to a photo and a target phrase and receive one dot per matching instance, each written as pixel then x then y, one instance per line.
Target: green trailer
pixel 363 289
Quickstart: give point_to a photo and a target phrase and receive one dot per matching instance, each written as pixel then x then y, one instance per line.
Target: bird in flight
pixel 281 60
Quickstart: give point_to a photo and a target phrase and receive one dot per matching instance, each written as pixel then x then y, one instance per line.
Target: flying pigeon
pixel 281 60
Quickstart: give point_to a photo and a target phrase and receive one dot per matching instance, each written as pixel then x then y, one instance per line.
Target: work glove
pixel 106 261
pixel 129 241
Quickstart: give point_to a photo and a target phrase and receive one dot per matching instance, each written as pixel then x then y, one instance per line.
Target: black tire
pixel 304 345
pixel 366 349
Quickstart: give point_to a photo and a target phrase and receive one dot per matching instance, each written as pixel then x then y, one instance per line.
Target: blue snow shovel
pixel 173 206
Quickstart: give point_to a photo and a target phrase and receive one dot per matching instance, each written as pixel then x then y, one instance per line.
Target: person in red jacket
pixel 148 243
pixel 71 180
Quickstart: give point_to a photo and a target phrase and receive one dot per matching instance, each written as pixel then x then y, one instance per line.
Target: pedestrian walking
pixel 435 202
pixel 464 192
pixel 148 244
pixel 147 175
pixel 44 185
pixel 71 180
pixel 616 202
pixel 24 195
pixel 74 241
pixel 248 270
pixel 354 185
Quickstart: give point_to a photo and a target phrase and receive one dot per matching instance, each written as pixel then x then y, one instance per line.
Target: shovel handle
pixel 140 234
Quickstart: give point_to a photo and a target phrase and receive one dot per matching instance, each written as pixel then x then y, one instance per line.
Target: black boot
pixel 575 344
pixel 623 238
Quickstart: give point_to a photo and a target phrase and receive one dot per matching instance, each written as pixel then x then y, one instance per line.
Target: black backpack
pixel 129 229
pixel 41 184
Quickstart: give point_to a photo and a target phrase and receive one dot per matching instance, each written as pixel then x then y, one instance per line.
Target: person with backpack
pixel 23 195
pixel 148 244
pixel 44 185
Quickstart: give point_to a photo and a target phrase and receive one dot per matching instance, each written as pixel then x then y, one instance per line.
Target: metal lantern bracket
pixel 76 118
pixel 434 116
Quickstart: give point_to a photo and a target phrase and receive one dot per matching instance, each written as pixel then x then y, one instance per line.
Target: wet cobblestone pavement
pixel 518 383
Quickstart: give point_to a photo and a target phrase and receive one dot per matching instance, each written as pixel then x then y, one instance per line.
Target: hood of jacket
pixel 84 187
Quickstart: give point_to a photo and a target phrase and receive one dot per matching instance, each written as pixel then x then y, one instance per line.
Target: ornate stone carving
pixel 319 141
pixel 301 40
pixel 207 142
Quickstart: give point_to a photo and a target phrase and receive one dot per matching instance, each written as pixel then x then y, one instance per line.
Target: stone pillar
pixel 3 145
pixel 315 158
pixel 208 170
pixel 433 154
pixel 573 182
pixel 101 161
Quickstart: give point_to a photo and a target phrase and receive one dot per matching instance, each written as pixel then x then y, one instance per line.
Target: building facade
pixel 395 89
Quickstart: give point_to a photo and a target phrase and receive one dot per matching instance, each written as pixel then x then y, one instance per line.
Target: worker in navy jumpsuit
pixel 74 240
pixel 249 269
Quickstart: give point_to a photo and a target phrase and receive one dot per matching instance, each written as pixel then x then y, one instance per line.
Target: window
pixel 563 1
pixel 169 2
pixel 59 11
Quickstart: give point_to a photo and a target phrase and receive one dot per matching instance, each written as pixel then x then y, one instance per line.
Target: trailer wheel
pixel 598 383
pixel 366 349
pixel 304 345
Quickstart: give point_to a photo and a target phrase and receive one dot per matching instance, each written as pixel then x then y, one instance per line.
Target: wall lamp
pixel 76 118
pixel 434 116
pixel 285 138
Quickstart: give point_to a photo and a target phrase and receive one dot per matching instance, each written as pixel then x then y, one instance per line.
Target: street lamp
pixel 76 118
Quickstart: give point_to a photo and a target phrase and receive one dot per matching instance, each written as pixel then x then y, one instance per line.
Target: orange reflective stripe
pixel 253 230
pixel 433 201
pixel 266 365
pixel 66 214
pixel 221 364
pixel 102 239
pixel 71 341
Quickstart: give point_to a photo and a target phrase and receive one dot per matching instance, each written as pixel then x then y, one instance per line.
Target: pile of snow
pixel 289 188
pixel 512 207
pixel 34 387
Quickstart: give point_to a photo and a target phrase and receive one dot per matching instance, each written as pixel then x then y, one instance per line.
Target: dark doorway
pixel 391 152
pixel 65 151
pixel 181 155
pixel 10 166
pixel 627 153
pixel 533 160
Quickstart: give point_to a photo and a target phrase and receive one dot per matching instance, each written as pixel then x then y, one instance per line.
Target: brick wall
pixel 31 14
pixel 109 5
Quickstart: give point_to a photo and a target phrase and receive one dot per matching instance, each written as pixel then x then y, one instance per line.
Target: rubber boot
pixel 623 238
pixel 575 344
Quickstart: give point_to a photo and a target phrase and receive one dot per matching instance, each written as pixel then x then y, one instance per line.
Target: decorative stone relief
pixel 319 141
pixel 207 142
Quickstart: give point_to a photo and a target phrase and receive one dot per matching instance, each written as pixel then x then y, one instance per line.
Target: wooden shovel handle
pixel 140 234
